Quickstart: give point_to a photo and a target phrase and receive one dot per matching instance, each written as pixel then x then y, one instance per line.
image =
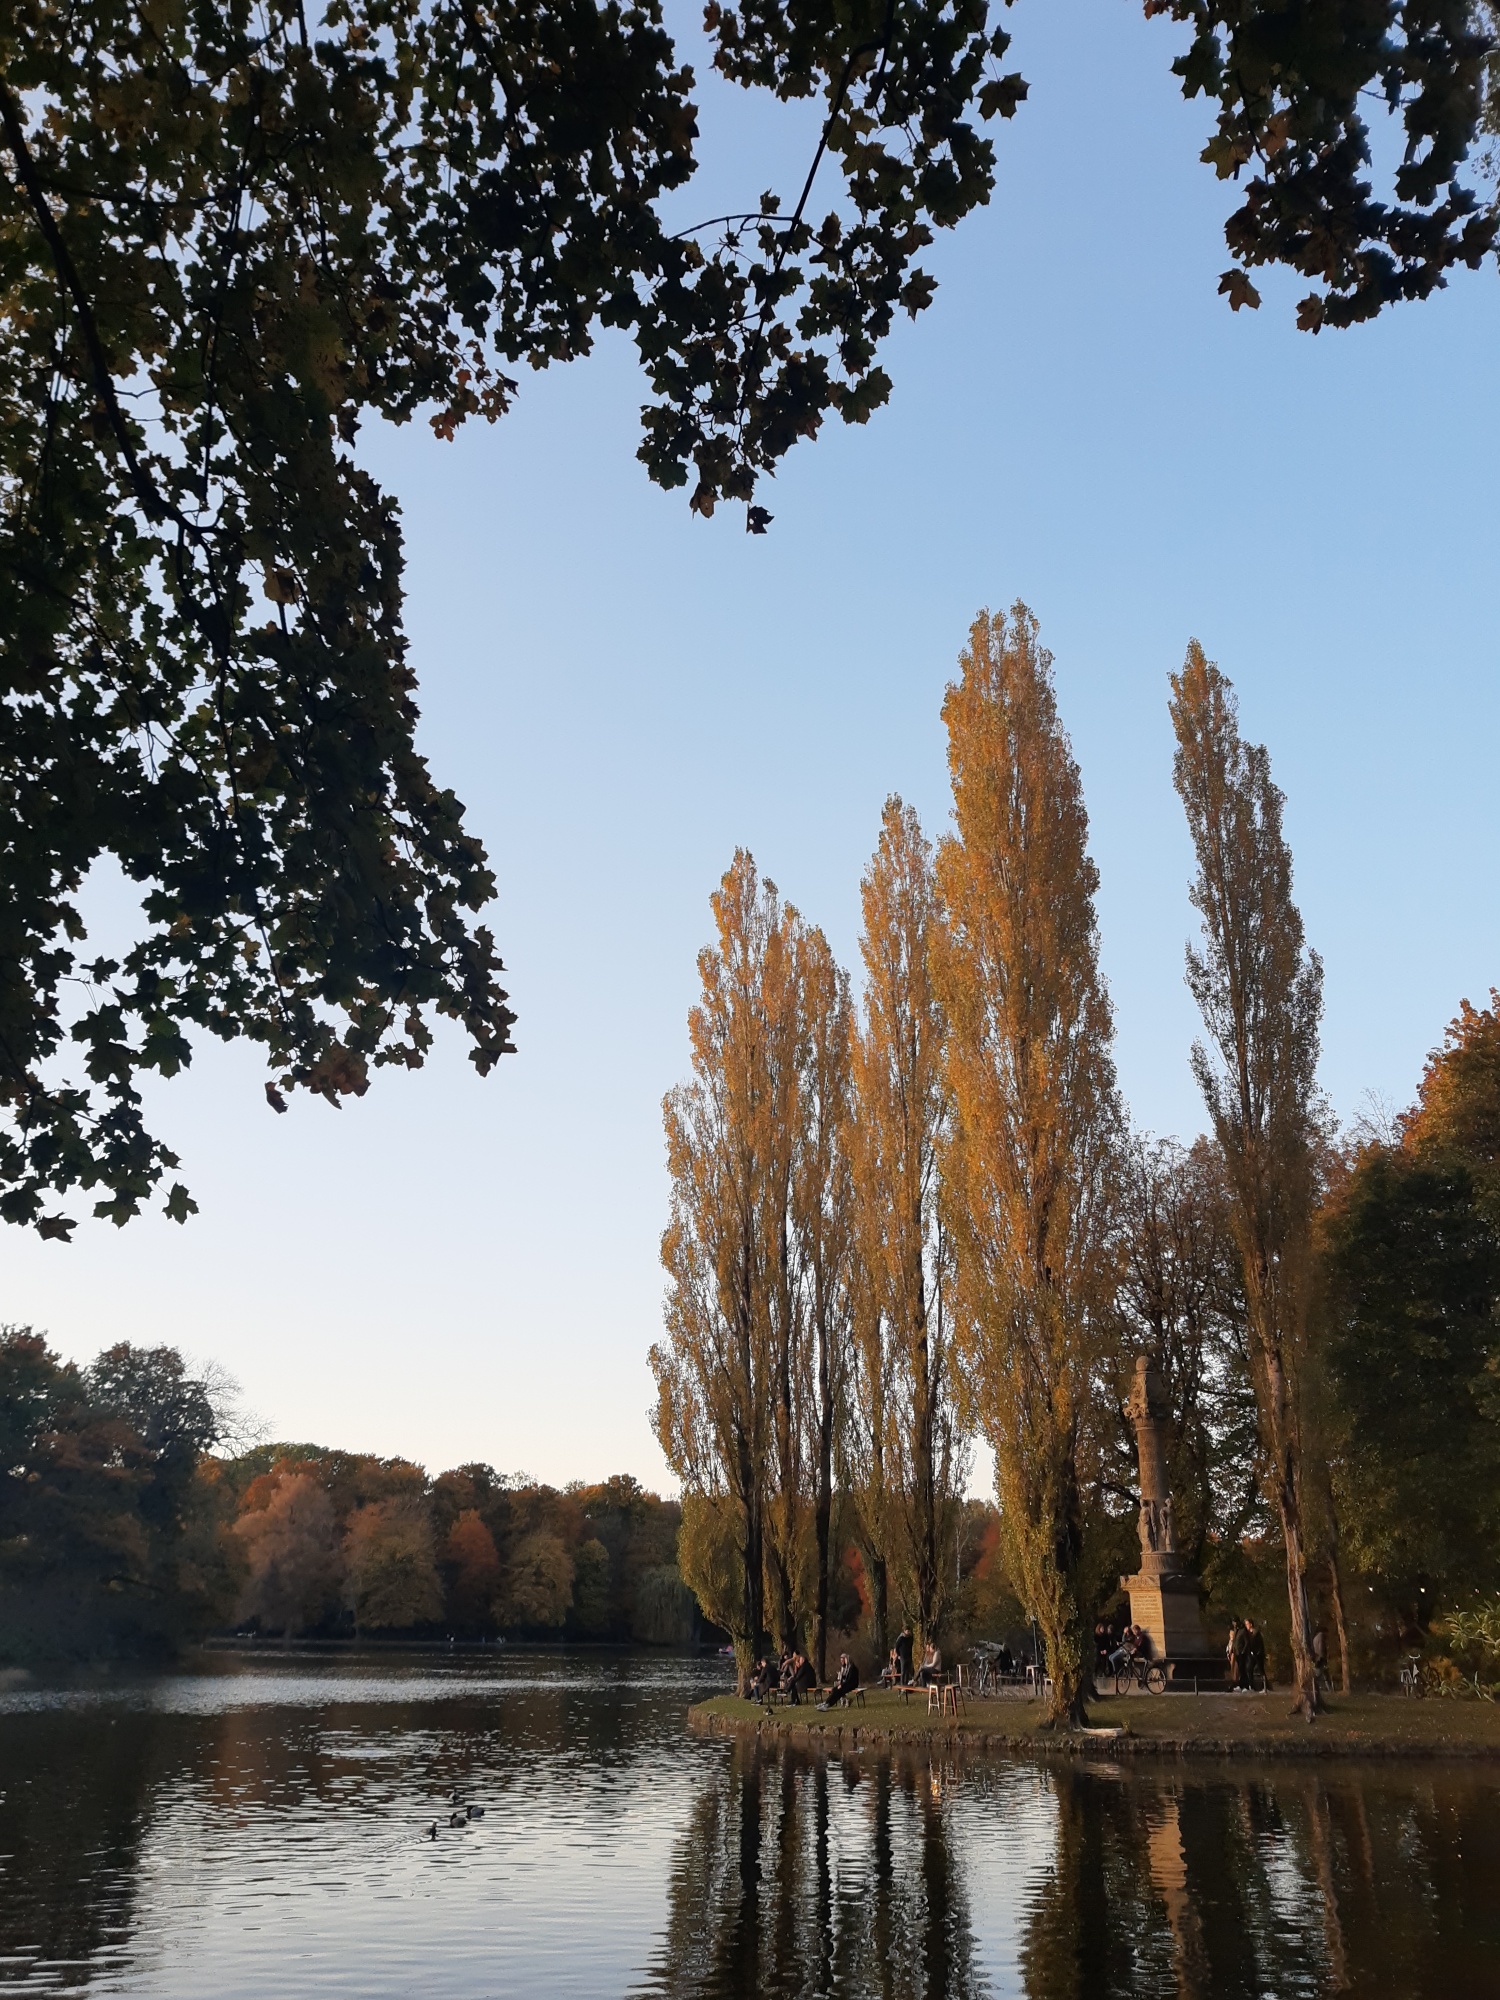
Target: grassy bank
pixel 1174 1725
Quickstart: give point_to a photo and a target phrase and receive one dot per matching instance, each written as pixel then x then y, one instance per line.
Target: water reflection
pixel 800 1876
pixel 263 1834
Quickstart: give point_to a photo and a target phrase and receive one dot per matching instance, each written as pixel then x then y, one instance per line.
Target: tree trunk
pixel 1288 1474
pixel 823 1516
pixel 879 1610
pixel 1337 1590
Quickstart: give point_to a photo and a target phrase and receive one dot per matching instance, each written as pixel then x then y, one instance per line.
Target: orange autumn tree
pixel 717 1374
pixel 1260 992
pixel 823 1224
pixel 908 1434
pixel 1030 1155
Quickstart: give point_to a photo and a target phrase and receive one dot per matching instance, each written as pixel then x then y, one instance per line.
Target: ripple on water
pixel 261 1830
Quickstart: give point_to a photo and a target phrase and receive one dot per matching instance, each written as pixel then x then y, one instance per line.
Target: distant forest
pixel 127 1530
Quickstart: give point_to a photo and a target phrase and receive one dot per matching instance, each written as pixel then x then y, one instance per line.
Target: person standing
pixel 904 1645
pixel 1241 1645
pixel 1255 1655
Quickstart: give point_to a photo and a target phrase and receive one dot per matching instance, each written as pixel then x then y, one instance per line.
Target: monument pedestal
pixel 1166 1604
pixel 1164 1598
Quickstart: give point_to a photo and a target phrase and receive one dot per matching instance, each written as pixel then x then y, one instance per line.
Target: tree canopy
pixel 231 234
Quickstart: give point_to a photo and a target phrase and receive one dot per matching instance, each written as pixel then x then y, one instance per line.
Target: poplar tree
pixel 1260 991
pixel 901 1109
pixel 715 1370
pixel 823 1217
pixel 1030 1155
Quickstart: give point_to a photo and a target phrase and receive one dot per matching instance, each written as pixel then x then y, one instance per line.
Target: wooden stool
pixel 954 1700
pixel 934 1700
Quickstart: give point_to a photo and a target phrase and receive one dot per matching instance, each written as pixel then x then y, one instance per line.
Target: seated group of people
pixel 793 1677
pixel 900 1671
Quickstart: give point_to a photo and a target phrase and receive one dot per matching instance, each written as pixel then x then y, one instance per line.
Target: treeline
pixel 127 1530
pixel 899 1224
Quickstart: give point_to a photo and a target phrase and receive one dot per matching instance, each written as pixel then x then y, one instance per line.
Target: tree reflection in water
pixel 258 1834
pixel 801 1876
pixel 908 1882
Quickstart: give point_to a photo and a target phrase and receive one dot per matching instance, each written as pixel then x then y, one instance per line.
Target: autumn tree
pixel 823 1225
pixel 538 1586
pixel 1260 992
pixel 471 1564
pixel 390 1568
pixel 716 1368
pixel 900 1117
pixel 1030 1157
pixel 295 1567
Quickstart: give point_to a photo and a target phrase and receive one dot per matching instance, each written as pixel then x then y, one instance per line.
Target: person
pixel 845 1682
pixel 1231 1667
pixel 931 1671
pixel 802 1680
pixel 1320 1659
pixel 904 1655
pixel 1255 1655
pixel 1241 1648
pixel 1131 1641
pixel 760 1681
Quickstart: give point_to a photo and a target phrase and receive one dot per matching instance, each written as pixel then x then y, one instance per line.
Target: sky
pixel 455 1269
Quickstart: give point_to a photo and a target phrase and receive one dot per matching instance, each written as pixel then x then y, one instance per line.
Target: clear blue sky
pixel 455 1269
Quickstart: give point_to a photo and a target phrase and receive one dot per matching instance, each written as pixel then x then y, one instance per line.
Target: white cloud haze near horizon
pixel 453 1269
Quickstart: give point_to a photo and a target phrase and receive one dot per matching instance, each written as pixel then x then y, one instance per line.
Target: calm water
pixel 260 1831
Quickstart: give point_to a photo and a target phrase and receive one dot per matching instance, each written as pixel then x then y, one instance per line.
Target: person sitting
pixel 890 1673
pixel 760 1681
pixel 904 1654
pixel 1127 1649
pixel 802 1681
pixel 786 1667
pixel 931 1670
pixel 845 1681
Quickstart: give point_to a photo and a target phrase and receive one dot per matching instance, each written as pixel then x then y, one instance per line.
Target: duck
pixel 458 1819
pixel 432 1831
pixel 475 1812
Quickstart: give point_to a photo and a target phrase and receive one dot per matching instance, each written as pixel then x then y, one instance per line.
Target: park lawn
pixel 1226 1724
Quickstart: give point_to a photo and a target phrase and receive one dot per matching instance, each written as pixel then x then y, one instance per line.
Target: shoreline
pixel 1372 1727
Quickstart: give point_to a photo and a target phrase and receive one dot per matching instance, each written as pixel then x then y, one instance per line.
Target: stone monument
pixel 1164 1597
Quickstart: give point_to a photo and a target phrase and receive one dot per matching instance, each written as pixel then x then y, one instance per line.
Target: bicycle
pixel 1150 1674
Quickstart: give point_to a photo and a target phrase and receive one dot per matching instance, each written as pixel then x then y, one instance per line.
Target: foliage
pixel 471 1567
pixel 1410 1302
pixel 1260 992
pixel 1180 1299
pixel 915 1470
pixel 108 1536
pixel 538 1584
pixel 294 1566
pixel 1292 84
pixel 1031 1159
pixel 390 1573
pixel 710 1558
pixel 122 1533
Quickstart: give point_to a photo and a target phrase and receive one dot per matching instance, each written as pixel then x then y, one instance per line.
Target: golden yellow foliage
pixel 1030 1155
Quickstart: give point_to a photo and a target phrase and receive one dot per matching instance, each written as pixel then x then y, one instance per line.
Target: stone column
pixel 1164 1597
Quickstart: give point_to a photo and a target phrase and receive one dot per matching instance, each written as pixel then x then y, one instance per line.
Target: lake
pixel 259 1827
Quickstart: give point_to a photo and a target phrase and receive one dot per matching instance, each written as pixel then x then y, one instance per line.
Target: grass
pixel 1174 1724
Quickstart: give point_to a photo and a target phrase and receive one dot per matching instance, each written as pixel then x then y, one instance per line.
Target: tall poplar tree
pixel 1260 992
pixel 715 1370
pixel 1031 1154
pixel 901 1107
pixel 823 1217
